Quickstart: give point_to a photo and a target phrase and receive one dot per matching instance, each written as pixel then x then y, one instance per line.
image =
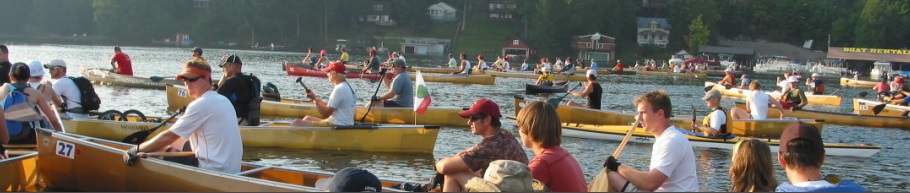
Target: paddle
pixel 601 182
pixel 300 80
pixel 156 78
pixel 166 154
pixel 878 108
pixel 370 107
pixel 863 94
pixel 555 101
pixel 140 136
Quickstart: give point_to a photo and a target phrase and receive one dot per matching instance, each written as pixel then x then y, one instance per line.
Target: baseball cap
pixel 398 62
pixel 711 94
pixel 194 69
pixel 373 51
pixel 323 52
pixel 351 179
pixel 338 67
pixel 485 106
pixel 728 70
pixel 35 67
pixel 231 59
pixel 55 63
pixel 814 74
pixel 506 176
pixel 743 76
pixel 800 130
pixel 793 79
pixel 196 49
pixel 899 80
pixel 591 73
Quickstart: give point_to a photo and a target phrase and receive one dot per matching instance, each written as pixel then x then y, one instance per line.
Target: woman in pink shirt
pixel 540 130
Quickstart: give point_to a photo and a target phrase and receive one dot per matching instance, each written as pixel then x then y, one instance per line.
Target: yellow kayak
pixel 845 118
pixel 104 77
pixel 864 107
pixel 833 100
pixel 857 83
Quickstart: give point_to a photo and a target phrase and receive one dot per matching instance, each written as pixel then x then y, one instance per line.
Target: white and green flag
pixel 422 96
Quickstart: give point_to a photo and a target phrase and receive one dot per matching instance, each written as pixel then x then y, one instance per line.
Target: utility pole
pixel 464 15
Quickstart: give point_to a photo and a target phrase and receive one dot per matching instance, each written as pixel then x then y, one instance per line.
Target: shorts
pixel 390 103
pixel 630 188
pixel 787 105
pixel 323 123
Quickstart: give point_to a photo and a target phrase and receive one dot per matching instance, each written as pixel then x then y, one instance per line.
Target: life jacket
pixel 723 126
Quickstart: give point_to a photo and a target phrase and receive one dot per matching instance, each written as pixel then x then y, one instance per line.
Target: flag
pixel 422 95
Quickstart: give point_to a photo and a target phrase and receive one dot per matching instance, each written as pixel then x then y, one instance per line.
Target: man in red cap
pixel 802 154
pixel 209 123
pixel 497 144
pixel 373 65
pixel 339 110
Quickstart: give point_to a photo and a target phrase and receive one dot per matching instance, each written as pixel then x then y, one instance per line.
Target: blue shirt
pixel 593 65
pixel 404 90
pixel 821 186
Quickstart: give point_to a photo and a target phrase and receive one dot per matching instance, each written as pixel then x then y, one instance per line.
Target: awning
pixel 727 50
pixel 869 54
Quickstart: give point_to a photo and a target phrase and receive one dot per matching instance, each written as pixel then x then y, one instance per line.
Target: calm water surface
pixel 886 171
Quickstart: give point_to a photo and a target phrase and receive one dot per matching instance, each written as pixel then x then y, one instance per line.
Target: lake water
pixel 886 171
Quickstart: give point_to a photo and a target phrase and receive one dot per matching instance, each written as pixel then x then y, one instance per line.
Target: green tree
pixel 698 34
pixel 548 29
pixel 878 21
pixel 49 17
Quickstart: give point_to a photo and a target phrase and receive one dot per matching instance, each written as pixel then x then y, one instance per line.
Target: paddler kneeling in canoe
pixel 715 124
pixel 339 110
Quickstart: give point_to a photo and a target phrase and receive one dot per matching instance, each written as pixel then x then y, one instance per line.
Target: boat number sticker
pixel 181 93
pixel 863 108
pixel 65 149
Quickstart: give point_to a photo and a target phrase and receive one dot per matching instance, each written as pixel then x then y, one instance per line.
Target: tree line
pixel 551 24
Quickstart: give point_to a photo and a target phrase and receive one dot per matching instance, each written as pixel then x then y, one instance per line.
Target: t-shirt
pixel 501 145
pixel 343 100
pixel 524 66
pixel 594 65
pixel 557 169
pixel 453 63
pixel 124 65
pixel 717 120
pixel 374 64
pixel 506 66
pixel 482 65
pixel 467 67
pixel 673 156
pixel 200 59
pixel 345 57
pixel 66 88
pixel 546 77
pixel 758 103
pixel 820 186
pixel 237 90
pixel 404 90
pixel 210 125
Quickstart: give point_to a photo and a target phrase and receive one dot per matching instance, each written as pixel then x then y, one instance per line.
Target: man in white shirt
pixel 209 123
pixel 341 105
pixel 672 158
pixel 67 89
pixel 757 102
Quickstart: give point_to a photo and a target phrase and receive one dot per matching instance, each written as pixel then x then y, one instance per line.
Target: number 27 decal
pixel 65 149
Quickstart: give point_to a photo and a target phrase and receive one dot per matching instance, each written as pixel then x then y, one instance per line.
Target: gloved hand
pixel 611 164
pixel 131 155
pixel 374 98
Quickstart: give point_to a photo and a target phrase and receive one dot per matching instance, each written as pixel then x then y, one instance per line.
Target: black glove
pixel 375 98
pixel 383 70
pixel 131 155
pixel 611 164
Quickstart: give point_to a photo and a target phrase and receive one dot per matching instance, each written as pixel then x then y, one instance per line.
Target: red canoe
pixel 295 70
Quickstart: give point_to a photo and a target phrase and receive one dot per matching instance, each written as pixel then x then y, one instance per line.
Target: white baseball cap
pixel 793 79
pixel 35 68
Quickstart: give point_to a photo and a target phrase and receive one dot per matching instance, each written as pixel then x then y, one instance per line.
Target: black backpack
pixel 254 105
pixel 90 100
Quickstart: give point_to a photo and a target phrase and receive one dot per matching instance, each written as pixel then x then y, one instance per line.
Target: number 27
pixel 65 149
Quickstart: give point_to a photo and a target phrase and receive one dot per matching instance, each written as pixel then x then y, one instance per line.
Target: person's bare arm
pixel 4 134
pixel 48 111
pixel 451 165
pixel 777 104
pixel 159 142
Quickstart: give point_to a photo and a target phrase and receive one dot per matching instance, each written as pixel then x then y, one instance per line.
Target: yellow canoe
pixel 366 138
pixel 75 162
pixel 578 76
pixel 832 100
pixel 457 79
pixel 103 77
pixel 618 132
pixel 177 97
pixel 768 128
pixel 656 73
pixel 844 118
pixel 432 70
pixel 19 173
pixel 864 107
pixel 857 83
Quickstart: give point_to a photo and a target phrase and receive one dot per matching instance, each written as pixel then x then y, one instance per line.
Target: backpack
pixel 90 100
pixel 255 101
pixel 18 129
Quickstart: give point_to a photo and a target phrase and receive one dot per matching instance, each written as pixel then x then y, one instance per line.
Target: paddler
pixel 715 124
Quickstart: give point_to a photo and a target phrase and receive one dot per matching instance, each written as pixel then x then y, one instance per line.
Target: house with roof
pixel 380 13
pixel 595 46
pixel 653 32
pixel 502 10
pixel 517 48
pixel 425 46
pixel 442 12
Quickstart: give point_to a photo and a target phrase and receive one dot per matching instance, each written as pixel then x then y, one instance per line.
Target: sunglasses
pixel 478 116
pixel 185 79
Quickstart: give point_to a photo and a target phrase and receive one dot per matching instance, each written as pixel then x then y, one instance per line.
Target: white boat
pixel 778 65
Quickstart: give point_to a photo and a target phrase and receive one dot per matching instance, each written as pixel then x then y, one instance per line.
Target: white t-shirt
pixel 673 156
pixel 344 102
pixel 676 69
pixel 559 64
pixel 482 65
pixel 467 67
pixel 784 85
pixel 758 103
pixel 210 125
pixel 506 66
pixel 524 66
pixel 66 88
pixel 718 118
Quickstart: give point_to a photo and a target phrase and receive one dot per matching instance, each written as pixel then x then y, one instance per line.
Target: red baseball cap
pixel 482 106
pixel 899 80
pixel 335 66
pixel 373 51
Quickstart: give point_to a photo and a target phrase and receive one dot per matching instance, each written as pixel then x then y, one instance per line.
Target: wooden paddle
pixel 166 154
pixel 140 136
pixel 555 101
pixel 381 77
pixel 601 182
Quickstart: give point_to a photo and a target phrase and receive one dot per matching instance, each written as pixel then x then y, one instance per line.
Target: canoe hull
pixel 383 138
pixel 864 107
pixel 535 89
pixel 845 118
pixel 832 100
pixel 19 173
pixel 529 75
pixel 457 79
pixel 857 83
pixel 617 132
pixel 295 70
pixel 177 97
pixel 103 77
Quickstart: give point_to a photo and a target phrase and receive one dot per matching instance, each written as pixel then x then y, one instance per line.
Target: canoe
pixel 833 100
pixel 457 78
pixel 864 107
pixel 536 89
pixel 19 173
pixel 857 83
pixel 768 128
pixel 448 116
pixel 578 76
pixel 844 118
pixel 629 71
pixel 432 70
pixel 366 138
pixel 75 162
pixel 295 70
pixel 103 77
pixel 618 132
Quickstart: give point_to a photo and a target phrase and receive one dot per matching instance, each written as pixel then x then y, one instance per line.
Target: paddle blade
pixel 299 79
pixel 878 108
pixel 554 102
pixel 137 137
pixel 709 87
pixel 156 78
pixel 863 94
pixel 600 183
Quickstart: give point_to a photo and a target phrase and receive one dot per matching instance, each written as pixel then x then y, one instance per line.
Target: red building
pixel 517 47
pixel 599 47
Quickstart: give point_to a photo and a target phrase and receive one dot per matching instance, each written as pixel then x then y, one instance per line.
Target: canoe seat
pixel 253 171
